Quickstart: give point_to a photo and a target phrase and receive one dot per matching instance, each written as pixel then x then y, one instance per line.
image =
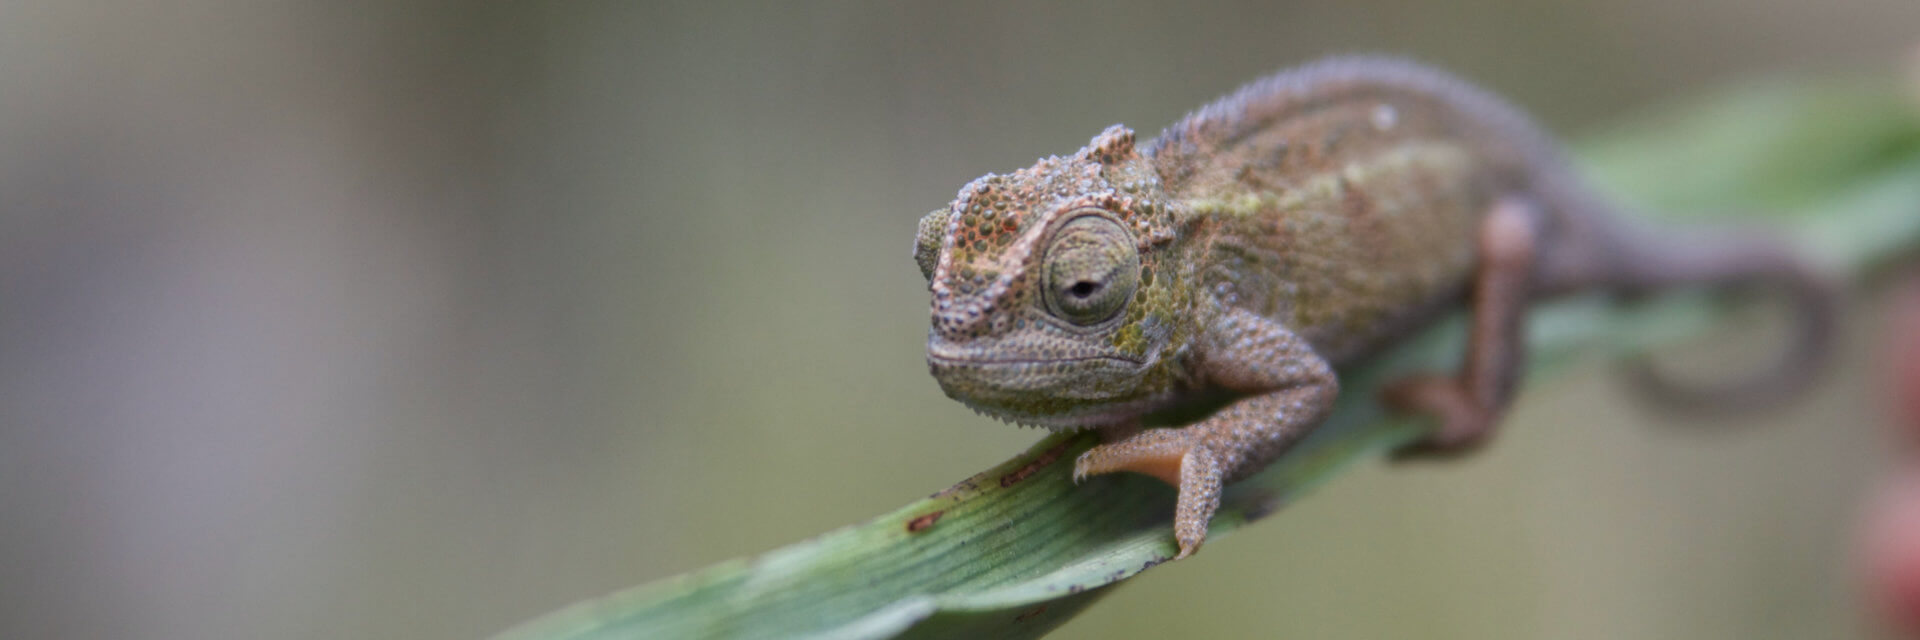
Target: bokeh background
pixel 418 319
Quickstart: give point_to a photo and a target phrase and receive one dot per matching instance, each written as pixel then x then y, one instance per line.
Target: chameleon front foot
pixel 1173 456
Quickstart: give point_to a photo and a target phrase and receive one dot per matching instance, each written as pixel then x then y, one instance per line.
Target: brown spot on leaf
pixel 1046 458
pixel 958 490
pixel 923 521
pixel 1036 611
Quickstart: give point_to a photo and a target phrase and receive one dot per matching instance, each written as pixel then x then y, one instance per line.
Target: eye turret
pixel 1092 269
pixel 926 245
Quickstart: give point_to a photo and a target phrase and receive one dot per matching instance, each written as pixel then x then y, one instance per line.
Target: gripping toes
pixel 1156 452
pixel 1288 389
pixel 1174 456
pixel 1200 480
pixel 1464 423
pixel 1469 402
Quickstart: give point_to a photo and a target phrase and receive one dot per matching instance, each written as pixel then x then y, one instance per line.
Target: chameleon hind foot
pixel 1464 425
pixel 1469 403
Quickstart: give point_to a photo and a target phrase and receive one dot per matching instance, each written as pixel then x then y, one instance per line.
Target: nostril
pixel 1083 288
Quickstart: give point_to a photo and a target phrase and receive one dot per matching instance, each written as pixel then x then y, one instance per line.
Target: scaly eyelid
pixel 1102 252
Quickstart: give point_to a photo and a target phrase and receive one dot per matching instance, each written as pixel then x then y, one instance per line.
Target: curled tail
pixel 1736 260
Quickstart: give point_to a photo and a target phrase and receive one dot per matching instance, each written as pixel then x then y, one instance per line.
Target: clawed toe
pixel 1464 424
pixel 1156 453
pixel 1173 456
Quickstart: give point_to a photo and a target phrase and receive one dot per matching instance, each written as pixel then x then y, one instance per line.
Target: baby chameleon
pixel 1294 227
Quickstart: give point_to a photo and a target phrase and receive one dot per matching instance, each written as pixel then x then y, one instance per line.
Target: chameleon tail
pixel 1735 261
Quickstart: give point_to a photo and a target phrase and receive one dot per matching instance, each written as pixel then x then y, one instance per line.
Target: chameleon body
pixel 1288 229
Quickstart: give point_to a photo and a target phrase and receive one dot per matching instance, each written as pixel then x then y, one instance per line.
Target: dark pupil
pixel 1083 288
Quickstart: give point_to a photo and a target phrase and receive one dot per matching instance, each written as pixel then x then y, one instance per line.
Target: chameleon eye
pixel 926 245
pixel 1092 269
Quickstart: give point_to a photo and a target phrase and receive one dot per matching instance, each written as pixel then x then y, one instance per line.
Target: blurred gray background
pixel 416 319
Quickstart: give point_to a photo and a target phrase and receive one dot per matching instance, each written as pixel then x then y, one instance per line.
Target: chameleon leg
pixel 1293 389
pixel 1470 402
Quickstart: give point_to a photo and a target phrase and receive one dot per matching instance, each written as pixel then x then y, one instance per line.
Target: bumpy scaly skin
pixel 1295 226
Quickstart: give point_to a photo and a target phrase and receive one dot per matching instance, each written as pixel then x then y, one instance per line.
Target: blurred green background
pixel 412 319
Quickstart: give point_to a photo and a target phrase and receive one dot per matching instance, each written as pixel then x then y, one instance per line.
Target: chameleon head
pixel 1051 303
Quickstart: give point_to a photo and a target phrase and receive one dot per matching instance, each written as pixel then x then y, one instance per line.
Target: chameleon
pixel 1238 261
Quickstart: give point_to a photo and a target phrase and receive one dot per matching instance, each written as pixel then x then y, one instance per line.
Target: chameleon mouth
pixel 961 360
pixel 1040 394
pixel 1031 388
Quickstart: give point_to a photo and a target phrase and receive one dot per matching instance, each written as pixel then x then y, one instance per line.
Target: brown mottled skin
pixel 1294 227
